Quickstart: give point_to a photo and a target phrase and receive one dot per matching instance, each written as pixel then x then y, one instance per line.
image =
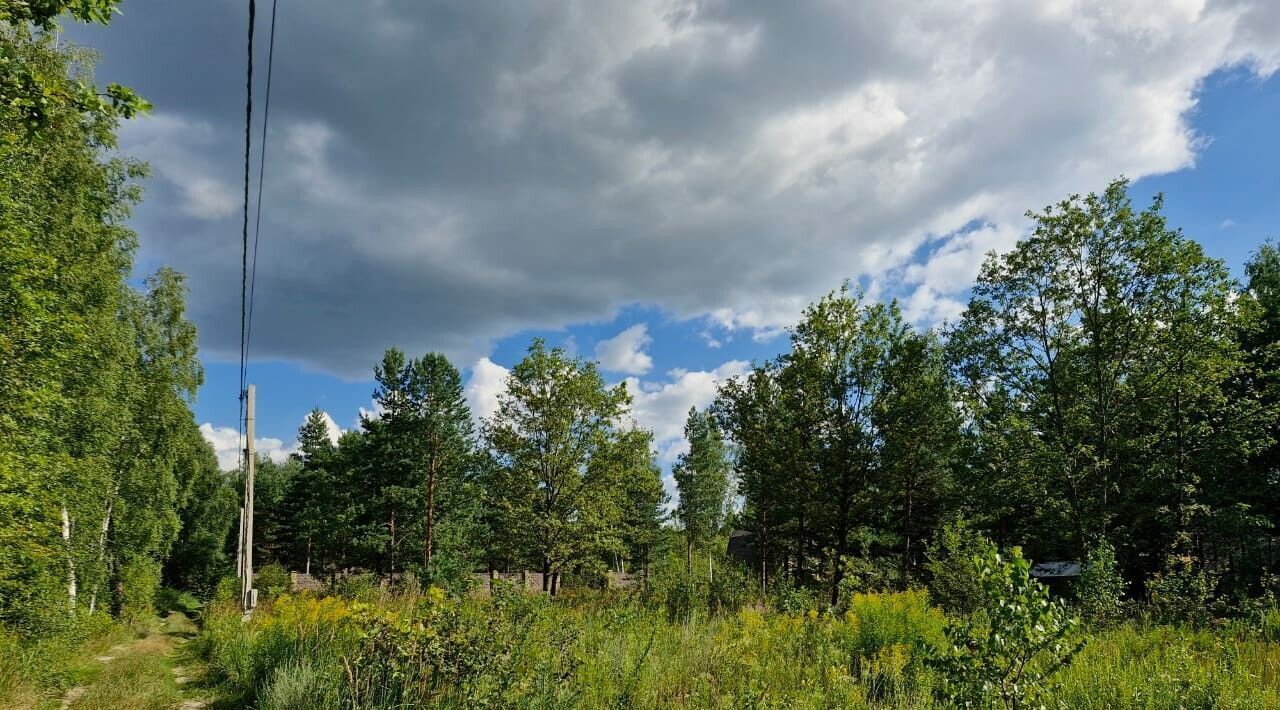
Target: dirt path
pixel 154 671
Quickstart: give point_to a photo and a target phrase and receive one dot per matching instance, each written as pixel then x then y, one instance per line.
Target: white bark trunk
pixel 71 560
pixel 102 554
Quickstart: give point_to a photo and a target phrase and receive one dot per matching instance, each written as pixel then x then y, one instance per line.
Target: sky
pixel 659 185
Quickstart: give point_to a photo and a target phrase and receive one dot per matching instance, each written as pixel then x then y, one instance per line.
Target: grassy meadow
pixel 620 650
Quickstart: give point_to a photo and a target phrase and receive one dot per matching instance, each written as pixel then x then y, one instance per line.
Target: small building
pixel 1057 576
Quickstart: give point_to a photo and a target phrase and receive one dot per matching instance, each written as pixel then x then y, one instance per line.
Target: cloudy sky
pixel 657 184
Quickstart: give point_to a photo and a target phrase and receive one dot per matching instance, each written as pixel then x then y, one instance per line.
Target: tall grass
pixel 612 650
pixel 35 669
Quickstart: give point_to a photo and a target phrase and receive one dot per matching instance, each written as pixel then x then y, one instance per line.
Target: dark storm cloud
pixel 442 174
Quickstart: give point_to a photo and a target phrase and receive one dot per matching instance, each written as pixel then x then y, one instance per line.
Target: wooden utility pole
pixel 249 596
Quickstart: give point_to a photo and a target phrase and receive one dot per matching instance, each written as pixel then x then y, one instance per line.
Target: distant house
pixel 1057 576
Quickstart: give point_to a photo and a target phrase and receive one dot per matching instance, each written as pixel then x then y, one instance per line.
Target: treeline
pixel 1107 382
pixel 559 480
pixel 103 472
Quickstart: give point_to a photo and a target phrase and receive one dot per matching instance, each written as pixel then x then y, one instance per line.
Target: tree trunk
pixel 546 574
pixel 391 548
pixel 429 538
pixel 71 560
pixel 906 549
pixel 102 554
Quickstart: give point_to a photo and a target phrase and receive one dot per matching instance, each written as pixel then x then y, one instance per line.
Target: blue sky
pixel 662 184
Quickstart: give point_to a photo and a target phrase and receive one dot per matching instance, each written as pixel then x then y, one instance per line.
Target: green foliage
pixel 550 441
pixel 864 574
pixel 702 478
pixel 1008 657
pixel 788 598
pixel 272 580
pixel 685 594
pixel 1099 590
pixel 1183 592
pixel 608 650
pixel 952 583
pixel 356 586
pixel 1269 624
pixel 139 585
pixel 37 98
pixel 1101 366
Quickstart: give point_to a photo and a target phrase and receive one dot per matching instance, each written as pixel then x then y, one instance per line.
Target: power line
pixel 262 165
pixel 244 254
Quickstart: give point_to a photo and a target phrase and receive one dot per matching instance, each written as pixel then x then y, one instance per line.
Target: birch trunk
pixel 71 559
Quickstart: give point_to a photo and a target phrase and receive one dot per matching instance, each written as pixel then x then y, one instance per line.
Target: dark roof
pixel 1055 569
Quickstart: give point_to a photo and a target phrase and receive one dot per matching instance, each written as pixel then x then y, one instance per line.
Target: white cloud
pixel 487 383
pixel 175 147
pixel 226 444
pixel 1226 224
pixel 662 409
pixel 726 161
pixel 625 353
pixel 335 431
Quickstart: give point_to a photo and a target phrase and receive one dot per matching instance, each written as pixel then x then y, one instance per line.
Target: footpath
pixel 157 671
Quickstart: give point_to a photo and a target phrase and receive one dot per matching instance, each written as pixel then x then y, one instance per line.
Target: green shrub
pixel 868 574
pixel 227 589
pixel 271 581
pixel 789 598
pixel 1006 658
pixel 591 574
pixel 894 618
pixel 950 554
pixel 1182 593
pixel 731 588
pixel 139 583
pixel 1099 589
pixel 364 586
pixel 1269 625
pixel 169 599
pixel 299 685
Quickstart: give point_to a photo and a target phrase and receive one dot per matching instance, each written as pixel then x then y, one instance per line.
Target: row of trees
pixel 102 467
pixel 1108 381
pixel 558 479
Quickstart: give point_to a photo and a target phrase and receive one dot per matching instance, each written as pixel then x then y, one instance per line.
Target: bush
pixel 272 580
pixel 1008 658
pixel 681 595
pixel 1100 588
pixel 788 598
pixel 227 590
pixel 950 554
pixel 731 589
pixel 169 599
pixel 894 619
pixel 1269 625
pixel 298 686
pixel 1182 593
pixel 363 587
pixel 868 574
pixel 139 583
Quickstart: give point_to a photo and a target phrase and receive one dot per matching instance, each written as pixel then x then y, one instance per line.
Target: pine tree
pixel 441 446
